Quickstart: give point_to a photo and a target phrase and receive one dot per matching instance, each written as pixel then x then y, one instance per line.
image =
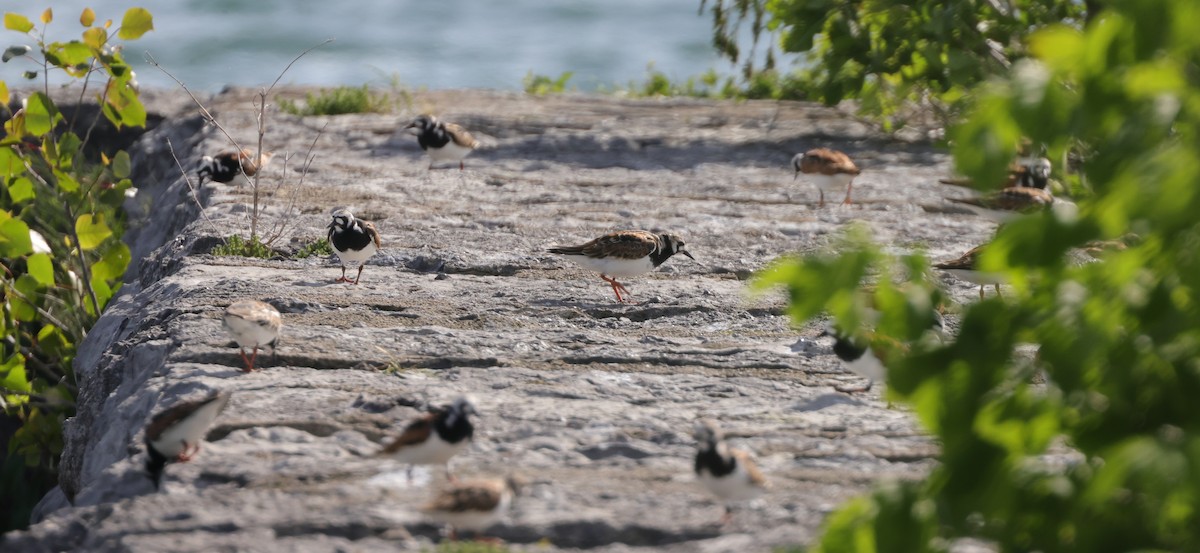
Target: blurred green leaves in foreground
pixel 61 256
pixel 1105 455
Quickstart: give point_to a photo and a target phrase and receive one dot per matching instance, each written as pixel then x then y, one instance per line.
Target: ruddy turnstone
pixel 965 269
pixel 830 170
pixel 435 437
pixel 730 474
pixel 442 141
pixel 354 240
pixel 864 360
pixel 1028 173
pixel 625 253
pixel 252 324
pixel 227 166
pixel 1007 204
pixel 175 433
pixel 472 505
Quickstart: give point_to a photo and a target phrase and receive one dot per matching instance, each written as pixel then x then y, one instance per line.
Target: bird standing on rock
pixel 730 474
pixel 175 433
pixel 830 170
pixel 252 324
pixel 227 166
pixel 442 141
pixel 625 253
pixel 353 239
pixel 474 505
pixel 435 437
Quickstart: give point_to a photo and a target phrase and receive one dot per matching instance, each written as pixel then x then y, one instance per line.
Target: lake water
pixel 431 43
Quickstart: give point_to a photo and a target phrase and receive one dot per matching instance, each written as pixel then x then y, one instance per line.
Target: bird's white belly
pixel 831 183
pixel 450 152
pixel 868 366
pixel 248 334
pixel 433 451
pixel 614 267
pixel 735 486
pixel 190 430
pixel 359 256
pixel 977 277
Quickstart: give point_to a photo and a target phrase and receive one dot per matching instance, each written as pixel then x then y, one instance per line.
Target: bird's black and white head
pixel 343 219
pixel 461 407
pixel 707 433
pixel 673 244
pixel 421 123
pixel 1039 171
pixel 797 160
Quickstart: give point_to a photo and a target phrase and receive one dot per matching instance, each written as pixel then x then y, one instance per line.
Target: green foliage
pixel 336 101
pixel 1118 339
pixel 318 248
pixel 469 547
pixel 541 85
pixel 899 59
pixel 60 229
pixel 237 246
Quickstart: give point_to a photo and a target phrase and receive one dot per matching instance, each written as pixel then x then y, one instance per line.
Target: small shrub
pixel 318 248
pixel 541 85
pixel 336 101
pixel 237 246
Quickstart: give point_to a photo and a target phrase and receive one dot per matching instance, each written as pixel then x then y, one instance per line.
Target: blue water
pixel 432 43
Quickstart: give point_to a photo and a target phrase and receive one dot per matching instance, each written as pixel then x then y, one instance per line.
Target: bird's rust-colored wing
pixel 482 496
pixel 626 244
pixel 460 136
pixel 374 234
pixel 747 462
pixel 966 262
pixel 827 162
pixel 416 432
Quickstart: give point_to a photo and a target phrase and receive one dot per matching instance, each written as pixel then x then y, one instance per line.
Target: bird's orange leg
pixel 360 268
pixel 617 287
pixel 343 278
pixel 847 201
pixel 247 360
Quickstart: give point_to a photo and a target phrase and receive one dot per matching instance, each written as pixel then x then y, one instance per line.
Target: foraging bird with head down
pixel 353 240
pixel 473 505
pixel 442 141
pixel 232 165
pixel 174 434
pixel 625 253
pixel 252 324
pixel 830 170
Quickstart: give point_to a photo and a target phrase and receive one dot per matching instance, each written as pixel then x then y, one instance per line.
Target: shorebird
pixel 435 437
pixel 252 324
pixel 830 170
pixel 442 141
pixel 227 166
pixel 472 505
pixel 625 253
pixel 965 268
pixel 730 474
pixel 174 434
pixel 353 239
pixel 1027 173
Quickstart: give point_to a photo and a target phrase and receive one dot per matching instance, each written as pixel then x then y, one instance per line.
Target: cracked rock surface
pixel 590 400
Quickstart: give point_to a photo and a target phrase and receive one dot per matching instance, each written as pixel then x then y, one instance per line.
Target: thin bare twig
pixel 279 230
pixel 262 132
pixel 192 189
pixel 205 114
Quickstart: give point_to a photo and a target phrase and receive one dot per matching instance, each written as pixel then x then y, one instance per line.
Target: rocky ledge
pixel 591 400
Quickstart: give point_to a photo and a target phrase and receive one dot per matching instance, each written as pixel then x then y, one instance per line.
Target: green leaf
pixel 95 37
pixel 14 237
pixel 10 162
pixel 41 268
pixel 17 22
pixel 112 266
pixel 20 189
pixel 48 15
pixel 87 17
pixel 28 287
pixel 137 22
pixel 4 95
pixel 40 114
pixel 12 374
pixel 92 231
pixel 121 164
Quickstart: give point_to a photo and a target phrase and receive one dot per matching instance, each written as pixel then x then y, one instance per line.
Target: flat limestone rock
pixel 590 400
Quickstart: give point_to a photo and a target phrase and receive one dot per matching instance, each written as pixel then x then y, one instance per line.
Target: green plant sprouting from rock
pixel 339 100
pixel 1103 455
pixel 60 228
